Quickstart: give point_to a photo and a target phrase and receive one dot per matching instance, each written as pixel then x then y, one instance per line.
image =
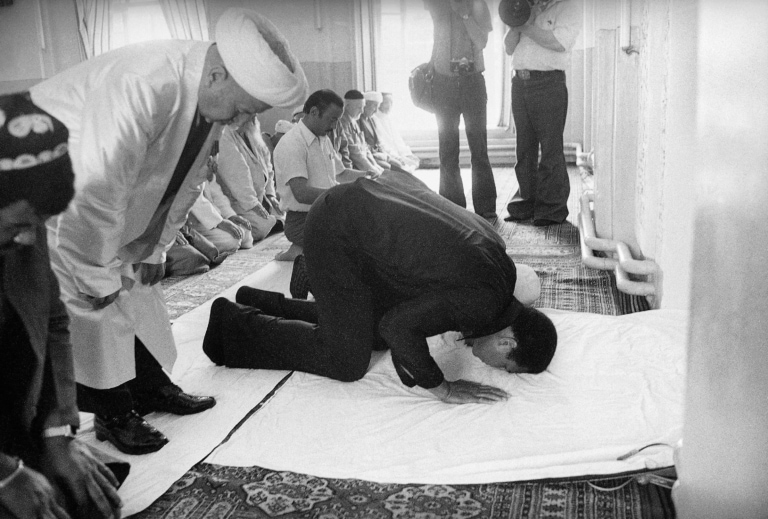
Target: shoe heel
pixel 103 435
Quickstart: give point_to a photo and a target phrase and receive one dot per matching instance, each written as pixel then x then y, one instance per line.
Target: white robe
pixel 245 174
pixel 391 141
pixel 128 113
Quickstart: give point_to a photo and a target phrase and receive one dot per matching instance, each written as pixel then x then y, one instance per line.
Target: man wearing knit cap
pixel 44 471
pixel 371 131
pixel 141 120
pixel 360 155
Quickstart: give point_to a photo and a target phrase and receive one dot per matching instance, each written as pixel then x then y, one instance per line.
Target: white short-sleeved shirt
pixel 301 153
pixel 563 18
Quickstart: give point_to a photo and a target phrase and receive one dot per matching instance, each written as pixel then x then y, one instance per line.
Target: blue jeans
pixel 456 96
pixel 539 108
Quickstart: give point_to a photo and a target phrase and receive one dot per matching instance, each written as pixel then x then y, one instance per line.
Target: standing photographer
pixel 461 30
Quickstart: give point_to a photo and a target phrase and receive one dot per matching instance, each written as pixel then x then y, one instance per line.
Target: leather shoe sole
pixel 131 434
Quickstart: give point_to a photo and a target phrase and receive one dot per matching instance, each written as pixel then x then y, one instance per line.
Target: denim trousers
pixel 539 108
pixel 457 96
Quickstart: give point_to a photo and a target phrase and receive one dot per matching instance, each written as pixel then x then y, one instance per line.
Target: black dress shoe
pixel 171 399
pixel 542 222
pixel 130 433
pixel 519 211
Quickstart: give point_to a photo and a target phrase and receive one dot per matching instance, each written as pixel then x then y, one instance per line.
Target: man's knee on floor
pixel 351 371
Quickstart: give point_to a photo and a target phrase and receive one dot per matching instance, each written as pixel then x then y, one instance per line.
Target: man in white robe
pixel 389 136
pixel 141 120
pixel 247 178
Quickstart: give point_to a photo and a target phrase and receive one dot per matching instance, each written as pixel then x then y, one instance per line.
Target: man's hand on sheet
pixel 87 485
pixel 467 392
pixel 30 494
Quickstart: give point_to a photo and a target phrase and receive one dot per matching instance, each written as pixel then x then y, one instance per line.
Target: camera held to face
pixel 462 66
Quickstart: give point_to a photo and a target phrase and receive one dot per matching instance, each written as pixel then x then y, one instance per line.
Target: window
pixel 405 41
pixel 134 21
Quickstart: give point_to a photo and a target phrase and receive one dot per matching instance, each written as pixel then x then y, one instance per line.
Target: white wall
pixel 724 460
pixel 666 154
pixel 643 122
pixel 38 38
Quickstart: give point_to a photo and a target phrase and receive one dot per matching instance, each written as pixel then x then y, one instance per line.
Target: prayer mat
pixel 184 293
pixel 213 491
pixel 554 252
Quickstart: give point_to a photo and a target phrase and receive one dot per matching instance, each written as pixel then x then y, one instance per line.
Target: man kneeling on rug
pixel 390 263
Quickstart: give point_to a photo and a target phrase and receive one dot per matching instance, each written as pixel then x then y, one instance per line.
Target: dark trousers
pixel 240 335
pixel 333 337
pixel 539 108
pixel 120 400
pixel 17 369
pixel 456 96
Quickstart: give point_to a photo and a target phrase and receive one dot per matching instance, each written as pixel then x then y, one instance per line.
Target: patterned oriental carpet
pixel 211 491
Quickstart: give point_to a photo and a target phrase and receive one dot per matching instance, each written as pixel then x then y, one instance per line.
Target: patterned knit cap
pixel 34 163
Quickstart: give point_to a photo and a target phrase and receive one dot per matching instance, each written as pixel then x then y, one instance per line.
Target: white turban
pixel 283 126
pixel 373 96
pixel 243 37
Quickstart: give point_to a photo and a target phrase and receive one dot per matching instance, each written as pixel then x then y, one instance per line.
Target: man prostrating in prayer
pixel 390 263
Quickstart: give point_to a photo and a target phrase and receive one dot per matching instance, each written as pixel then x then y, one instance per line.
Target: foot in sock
pixel 213 337
pixel 269 302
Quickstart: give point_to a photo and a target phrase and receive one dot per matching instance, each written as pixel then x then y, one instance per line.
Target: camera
pixel 462 66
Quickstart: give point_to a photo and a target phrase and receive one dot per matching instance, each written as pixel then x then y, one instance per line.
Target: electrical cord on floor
pixel 610 489
pixel 658 480
pixel 635 451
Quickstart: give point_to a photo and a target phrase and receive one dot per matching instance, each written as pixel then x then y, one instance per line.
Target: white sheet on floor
pixel 237 391
pixel 615 384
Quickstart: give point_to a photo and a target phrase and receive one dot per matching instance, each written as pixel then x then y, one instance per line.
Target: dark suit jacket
pixel 37 383
pixel 391 259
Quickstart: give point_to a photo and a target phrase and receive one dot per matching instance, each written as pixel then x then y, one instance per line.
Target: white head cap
pixel 373 96
pixel 282 126
pixel 248 42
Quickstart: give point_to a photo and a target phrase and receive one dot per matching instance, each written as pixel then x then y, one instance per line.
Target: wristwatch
pixel 62 430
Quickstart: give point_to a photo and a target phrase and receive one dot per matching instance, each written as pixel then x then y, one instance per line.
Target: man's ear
pixel 216 74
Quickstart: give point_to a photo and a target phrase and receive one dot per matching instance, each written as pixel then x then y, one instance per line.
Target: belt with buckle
pixel 528 74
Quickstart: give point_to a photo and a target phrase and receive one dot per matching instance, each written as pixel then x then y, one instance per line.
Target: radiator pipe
pixel 621 263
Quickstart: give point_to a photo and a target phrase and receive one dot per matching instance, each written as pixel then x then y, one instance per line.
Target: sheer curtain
pixel 186 19
pixel 93 21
